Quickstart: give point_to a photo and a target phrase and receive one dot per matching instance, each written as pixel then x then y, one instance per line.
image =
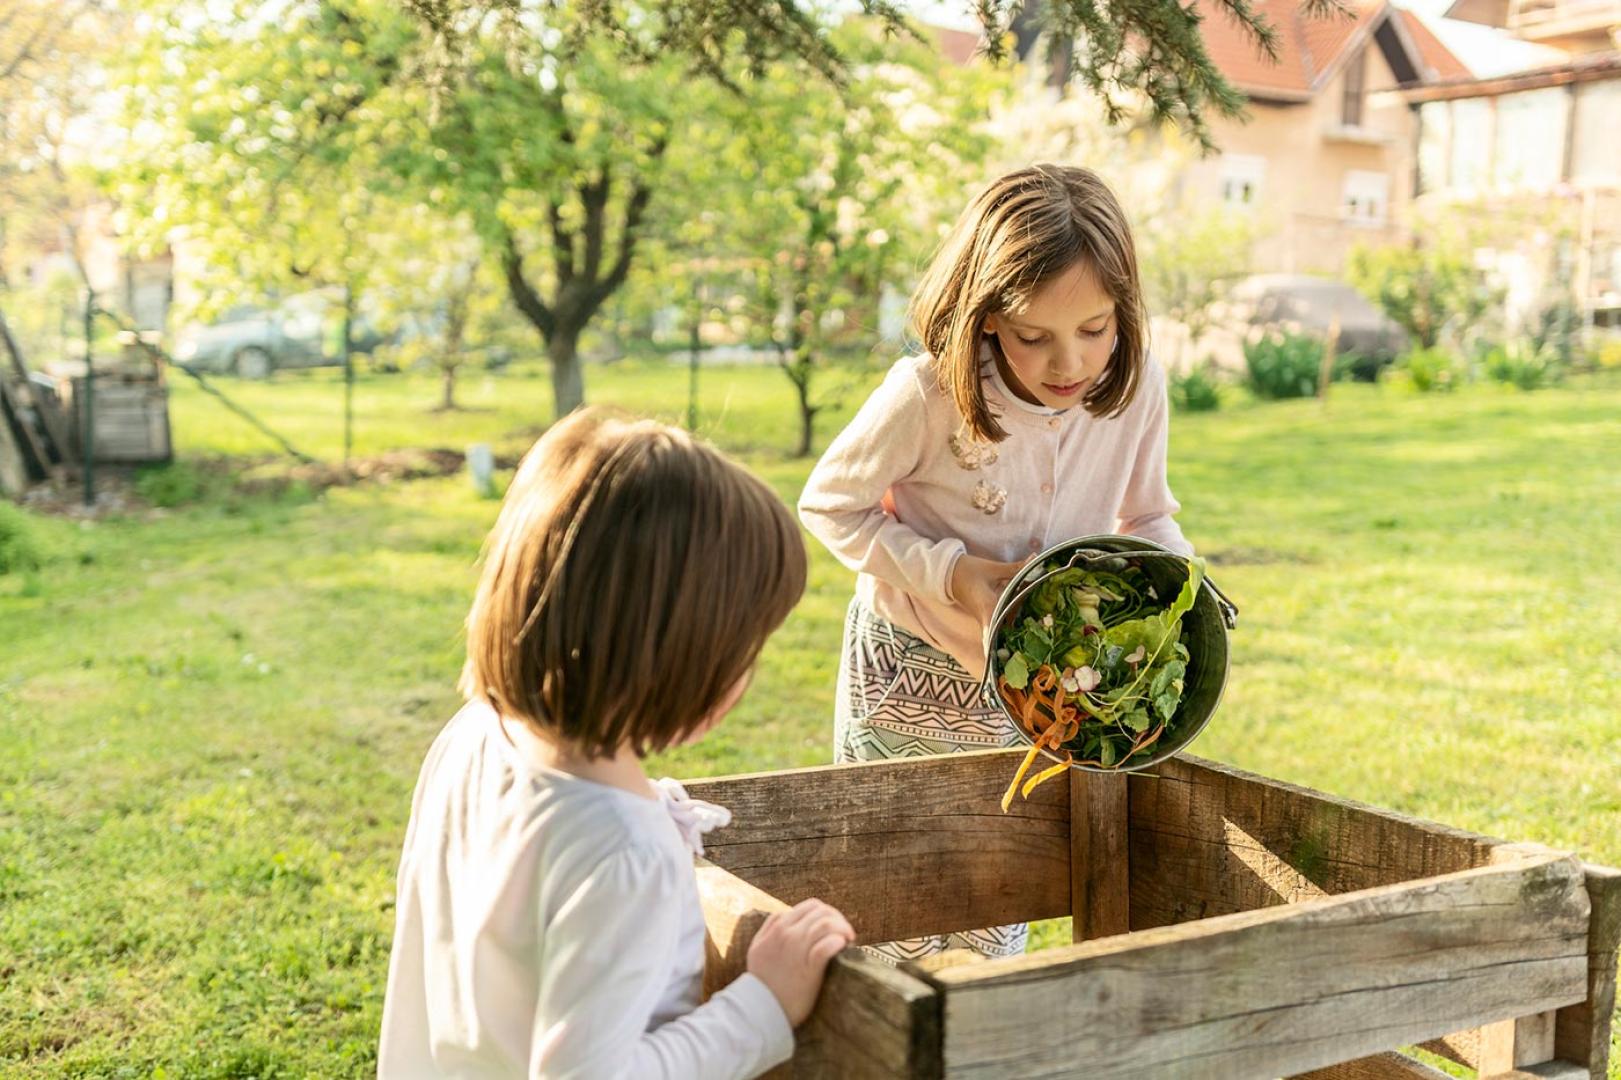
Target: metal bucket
pixel 1204 631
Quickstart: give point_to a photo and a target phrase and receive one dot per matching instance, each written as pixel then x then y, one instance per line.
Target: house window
pixel 1367 197
pixel 1355 88
pixel 1241 178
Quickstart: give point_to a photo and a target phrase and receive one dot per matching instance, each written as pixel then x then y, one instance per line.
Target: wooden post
pixel 1331 347
pixel 1582 1032
pixel 1510 1044
pixel 1099 855
pixel 88 416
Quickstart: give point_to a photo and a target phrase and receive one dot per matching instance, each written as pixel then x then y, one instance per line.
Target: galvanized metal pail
pixel 1204 630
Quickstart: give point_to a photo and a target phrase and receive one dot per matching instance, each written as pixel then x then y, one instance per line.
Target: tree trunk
pixel 448 382
pixel 568 385
pixel 348 374
pixel 807 421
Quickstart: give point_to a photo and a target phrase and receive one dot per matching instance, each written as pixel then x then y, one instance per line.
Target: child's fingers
pixel 818 913
pixel 826 948
pixel 805 909
pixel 829 924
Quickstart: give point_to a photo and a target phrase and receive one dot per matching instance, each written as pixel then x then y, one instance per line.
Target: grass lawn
pixel 211 718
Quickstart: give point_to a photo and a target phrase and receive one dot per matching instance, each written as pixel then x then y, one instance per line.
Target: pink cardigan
pixel 903 492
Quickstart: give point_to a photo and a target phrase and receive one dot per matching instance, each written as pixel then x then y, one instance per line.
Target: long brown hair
pixel 1023 230
pixel 629 583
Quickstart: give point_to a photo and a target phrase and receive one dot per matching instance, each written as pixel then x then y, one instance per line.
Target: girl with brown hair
pixel 547 919
pixel 1034 415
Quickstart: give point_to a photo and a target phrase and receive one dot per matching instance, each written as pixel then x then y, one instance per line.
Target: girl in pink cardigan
pixel 1034 416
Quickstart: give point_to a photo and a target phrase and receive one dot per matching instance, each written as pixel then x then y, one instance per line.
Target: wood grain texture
pixel 1207 839
pixel 1582 1032
pixel 1386 1066
pixel 903 848
pixel 1509 1044
pixel 871 1021
pixel 1281 990
pixel 1099 854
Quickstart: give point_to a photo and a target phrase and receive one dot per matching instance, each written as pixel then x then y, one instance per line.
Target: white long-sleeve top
pixel 549 926
pixel 903 492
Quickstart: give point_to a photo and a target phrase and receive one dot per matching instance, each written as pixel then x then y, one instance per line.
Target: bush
pixel 1431 369
pixel 174 484
pixel 19 551
pixel 1523 365
pixel 1283 365
pixel 1609 354
pixel 1557 330
pixel 1362 367
pixel 1425 289
pixel 1197 390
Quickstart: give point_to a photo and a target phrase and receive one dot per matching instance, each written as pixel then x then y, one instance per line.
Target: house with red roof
pixel 1325 157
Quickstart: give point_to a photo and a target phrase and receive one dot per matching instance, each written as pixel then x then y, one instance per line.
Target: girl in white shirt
pixel 1035 415
pixel 548 918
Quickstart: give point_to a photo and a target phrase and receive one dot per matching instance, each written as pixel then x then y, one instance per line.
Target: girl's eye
pixel 1028 341
pixel 1095 333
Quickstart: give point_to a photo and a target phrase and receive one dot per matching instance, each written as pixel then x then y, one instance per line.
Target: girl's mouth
pixel 1064 390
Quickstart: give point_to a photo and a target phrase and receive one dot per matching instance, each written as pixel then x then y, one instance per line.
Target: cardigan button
pixel 1055 423
pixel 1046 489
pixel 1035 545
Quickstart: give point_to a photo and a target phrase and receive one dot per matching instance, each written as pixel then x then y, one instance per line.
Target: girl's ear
pixel 990 326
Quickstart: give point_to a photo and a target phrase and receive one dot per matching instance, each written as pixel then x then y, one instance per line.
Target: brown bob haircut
pixel 629 583
pixel 1022 231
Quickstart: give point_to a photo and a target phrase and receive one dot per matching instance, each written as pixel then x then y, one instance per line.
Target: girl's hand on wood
pixel 791 952
pixel 976 584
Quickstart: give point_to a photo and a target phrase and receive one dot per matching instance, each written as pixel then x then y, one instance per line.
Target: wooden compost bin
pixel 1227 925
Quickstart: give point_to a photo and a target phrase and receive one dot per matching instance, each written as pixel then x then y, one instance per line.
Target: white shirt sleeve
pixel 609 951
pixel 1147 508
pixel 843 501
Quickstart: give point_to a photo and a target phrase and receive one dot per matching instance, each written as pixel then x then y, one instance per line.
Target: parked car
pixel 1302 304
pixel 252 341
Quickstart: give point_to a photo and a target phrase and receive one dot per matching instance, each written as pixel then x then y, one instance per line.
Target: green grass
pixel 212 717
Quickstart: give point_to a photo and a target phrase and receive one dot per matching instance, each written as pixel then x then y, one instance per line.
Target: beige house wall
pixel 1300 210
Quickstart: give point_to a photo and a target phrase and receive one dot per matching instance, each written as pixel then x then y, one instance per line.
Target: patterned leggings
pixel 899 697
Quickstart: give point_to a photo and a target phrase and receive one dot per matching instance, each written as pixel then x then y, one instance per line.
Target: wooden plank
pixel 1098 854
pixel 1208 839
pixel 1387 1066
pixel 903 848
pixel 1582 1032
pixel 1551 1070
pixel 14 478
pixel 1281 990
pixel 871 1021
pixel 1522 1040
pixel 55 427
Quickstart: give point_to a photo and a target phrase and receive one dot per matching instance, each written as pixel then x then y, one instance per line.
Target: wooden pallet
pixel 1226 925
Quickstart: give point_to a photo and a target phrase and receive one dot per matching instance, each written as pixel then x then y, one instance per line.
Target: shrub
pixel 1523 365
pixel 1432 369
pixel 1557 330
pixel 19 550
pixel 1283 365
pixel 174 484
pixel 1197 390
